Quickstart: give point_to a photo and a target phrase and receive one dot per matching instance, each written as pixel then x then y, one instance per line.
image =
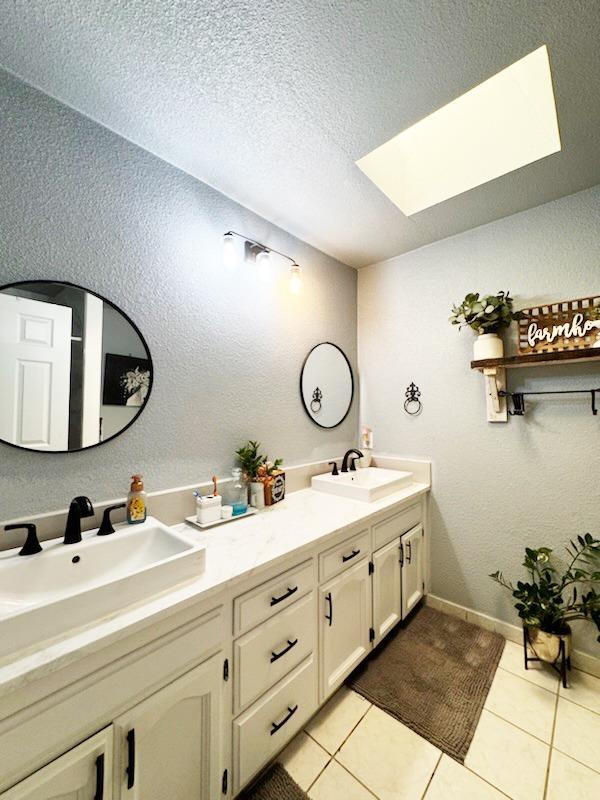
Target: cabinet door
pixel 345 619
pixel 169 746
pixel 413 569
pixel 84 773
pixel 387 603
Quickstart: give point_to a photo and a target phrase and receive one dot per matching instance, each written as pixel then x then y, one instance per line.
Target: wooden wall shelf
pixel 539 359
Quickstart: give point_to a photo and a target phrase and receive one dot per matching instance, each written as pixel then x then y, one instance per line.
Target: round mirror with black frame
pixel 327 385
pixel 75 371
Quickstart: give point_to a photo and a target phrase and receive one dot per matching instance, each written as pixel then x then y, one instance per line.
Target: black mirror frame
pixel 337 424
pixel 142 339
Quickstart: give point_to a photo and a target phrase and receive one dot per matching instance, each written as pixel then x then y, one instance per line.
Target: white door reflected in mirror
pixel 327 385
pixel 75 371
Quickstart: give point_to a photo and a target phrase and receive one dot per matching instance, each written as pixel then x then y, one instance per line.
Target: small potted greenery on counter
pixel 487 317
pixel 549 601
pixel 261 474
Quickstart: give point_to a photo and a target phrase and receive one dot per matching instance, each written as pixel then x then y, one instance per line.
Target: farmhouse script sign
pixel 567 325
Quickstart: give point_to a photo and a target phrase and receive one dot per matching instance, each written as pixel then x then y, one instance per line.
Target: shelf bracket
pixel 495 383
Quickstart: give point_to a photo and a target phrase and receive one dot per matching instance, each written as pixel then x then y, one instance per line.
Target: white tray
pixel 204 525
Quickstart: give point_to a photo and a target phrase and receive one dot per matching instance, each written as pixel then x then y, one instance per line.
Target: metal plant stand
pixel 562 664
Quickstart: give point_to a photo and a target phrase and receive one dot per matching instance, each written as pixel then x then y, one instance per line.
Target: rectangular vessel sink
pixel 65 586
pixel 367 485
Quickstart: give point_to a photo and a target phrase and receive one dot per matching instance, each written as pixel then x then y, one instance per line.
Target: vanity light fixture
pixel 261 255
pixel 229 250
pixel 295 279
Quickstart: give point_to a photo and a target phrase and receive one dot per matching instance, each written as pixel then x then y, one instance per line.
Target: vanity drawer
pixel 273 720
pixel 395 526
pixel 271 597
pixel 343 555
pixel 264 655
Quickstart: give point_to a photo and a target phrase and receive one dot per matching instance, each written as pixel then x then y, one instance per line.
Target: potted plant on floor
pixel 487 316
pixel 549 601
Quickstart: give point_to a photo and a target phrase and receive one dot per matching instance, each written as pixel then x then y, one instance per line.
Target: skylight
pixel 502 124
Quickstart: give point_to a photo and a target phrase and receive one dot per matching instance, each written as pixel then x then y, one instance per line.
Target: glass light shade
pixel 295 279
pixel 229 250
pixel 263 262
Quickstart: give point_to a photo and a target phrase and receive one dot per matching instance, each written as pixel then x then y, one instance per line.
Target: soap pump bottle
pixel 136 501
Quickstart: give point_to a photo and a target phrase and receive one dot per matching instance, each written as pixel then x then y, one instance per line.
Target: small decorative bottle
pixel 136 501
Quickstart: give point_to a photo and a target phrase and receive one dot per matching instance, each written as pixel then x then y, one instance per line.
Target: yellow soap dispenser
pixel 136 501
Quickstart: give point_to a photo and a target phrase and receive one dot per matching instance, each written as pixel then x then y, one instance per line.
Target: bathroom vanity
pixel 191 692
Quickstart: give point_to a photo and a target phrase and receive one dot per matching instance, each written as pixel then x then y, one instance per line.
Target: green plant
pixel 488 314
pixel 549 601
pixel 254 465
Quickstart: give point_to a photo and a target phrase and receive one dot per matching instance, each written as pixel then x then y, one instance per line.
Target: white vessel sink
pixel 367 485
pixel 65 586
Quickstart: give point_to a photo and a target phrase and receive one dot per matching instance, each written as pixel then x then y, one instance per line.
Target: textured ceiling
pixel 272 101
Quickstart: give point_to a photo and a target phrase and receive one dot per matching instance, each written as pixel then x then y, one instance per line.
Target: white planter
pixel 257 494
pixel 488 345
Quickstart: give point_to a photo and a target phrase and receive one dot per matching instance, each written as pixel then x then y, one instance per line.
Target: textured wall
pixel 497 487
pixel 79 203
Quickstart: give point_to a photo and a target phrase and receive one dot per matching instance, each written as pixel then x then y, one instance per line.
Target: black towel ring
pixel 316 402
pixel 412 404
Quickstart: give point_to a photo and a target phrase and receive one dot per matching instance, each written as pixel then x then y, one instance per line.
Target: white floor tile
pixel 452 781
pixel 583 689
pixel 304 759
pixel 337 784
pixel 569 780
pixel 337 718
pixel 538 672
pixel 389 758
pixel 508 758
pixel 577 733
pixel 523 703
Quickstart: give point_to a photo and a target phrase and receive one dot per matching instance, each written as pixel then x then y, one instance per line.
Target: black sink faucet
pixel 80 507
pixel 348 456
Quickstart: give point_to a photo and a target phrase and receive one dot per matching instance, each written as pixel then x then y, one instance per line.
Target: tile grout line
pixel 353 776
pixel 332 756
pixel 531 683
pixel 549 762
pixel 576 760
pixel 580 705
pixel 437 763
pixel 512 724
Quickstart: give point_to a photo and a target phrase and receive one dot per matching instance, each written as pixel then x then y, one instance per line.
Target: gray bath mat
pixel 433 674
pixel 274 784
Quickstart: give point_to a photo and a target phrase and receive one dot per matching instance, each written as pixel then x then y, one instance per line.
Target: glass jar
pixel 237 493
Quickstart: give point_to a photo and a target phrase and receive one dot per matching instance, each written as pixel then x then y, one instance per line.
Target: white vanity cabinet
pixel 84 773
pixel 413 568
pixel 344 625
pixel 168 746
pixel 387 594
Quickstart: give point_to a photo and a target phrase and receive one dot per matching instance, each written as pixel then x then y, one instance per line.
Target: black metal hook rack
pixel 518 398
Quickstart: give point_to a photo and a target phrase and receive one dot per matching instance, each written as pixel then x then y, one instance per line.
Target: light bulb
pixel 295 279
pixel 229 251
pixel 263 262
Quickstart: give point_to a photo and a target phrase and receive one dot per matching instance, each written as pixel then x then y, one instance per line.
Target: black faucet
pixel 31 545
pixel 347 457
pixel 80 507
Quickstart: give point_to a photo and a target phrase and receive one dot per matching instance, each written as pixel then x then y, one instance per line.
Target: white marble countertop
pixel 234 551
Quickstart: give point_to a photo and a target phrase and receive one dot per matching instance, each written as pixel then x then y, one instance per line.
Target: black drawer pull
pixel 130 771
pixel 289 593
pixel 401 554
pixel 409 554
pixel 352 555
pixel 275 726
pixel 329 616
pixel 275 656
pixel 99 777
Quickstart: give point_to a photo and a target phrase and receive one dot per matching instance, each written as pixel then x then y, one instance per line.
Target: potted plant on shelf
pixel 548 602
pixel 487 316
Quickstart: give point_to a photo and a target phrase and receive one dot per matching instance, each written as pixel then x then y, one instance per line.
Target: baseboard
pixel 514 633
